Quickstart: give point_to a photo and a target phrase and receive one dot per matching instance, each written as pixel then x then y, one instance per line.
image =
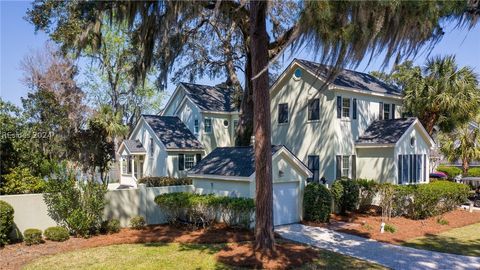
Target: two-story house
pixel 351 127
pixel 196 120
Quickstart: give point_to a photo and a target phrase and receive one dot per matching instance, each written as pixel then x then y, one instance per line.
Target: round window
pixel 412 141
pixel 298 73
pixel 225 123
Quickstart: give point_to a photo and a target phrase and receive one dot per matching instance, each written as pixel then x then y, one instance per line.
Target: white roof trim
pixel 330 86
pixel 374 145
pixel 294 159
pixel 185 150
pixel 424 132
pixel 172 98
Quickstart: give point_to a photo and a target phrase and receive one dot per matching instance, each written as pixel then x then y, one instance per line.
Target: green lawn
pixel 463 241
pixel 169 256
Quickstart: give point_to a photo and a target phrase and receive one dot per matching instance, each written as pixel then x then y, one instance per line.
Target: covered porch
pixel 132 160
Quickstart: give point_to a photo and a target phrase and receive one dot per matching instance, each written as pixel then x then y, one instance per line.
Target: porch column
pixel 133 166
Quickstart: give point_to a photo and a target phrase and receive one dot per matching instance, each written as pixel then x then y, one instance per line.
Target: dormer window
pixel 152 147
pixel 195 126
pixel 386 111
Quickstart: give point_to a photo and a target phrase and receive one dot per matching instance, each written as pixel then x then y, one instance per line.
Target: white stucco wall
pixel 377 164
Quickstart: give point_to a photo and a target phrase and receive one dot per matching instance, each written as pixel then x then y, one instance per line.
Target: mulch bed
pixel 16 255
pixel 368 225
pixel 288 255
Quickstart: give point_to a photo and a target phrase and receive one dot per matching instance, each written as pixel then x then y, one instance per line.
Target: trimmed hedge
pixel 317 203
pixel 203 210
pixel 162 181
pixel 57 234
pixel 32 237
pixel 474 172
pixel 137 223
pixel 6 222
pixel 346 193
pixel 450 171
pixel 423 200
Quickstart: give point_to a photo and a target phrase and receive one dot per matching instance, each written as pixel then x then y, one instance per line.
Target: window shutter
pixel 354 108
pixel 399 167
pixel 310 166
pixel 339 107
pixel 354 167
pixel 380 111
pixel 198 157
pixel 393 111
pixel 339 167
pixel 181 162
pixel 425 173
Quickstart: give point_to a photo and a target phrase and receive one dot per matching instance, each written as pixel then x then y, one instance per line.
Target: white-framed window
pixel 226 123
pixel 345 166
pixel 195 126
pixel 152 147
pixel 189 161
pixel 386 111
pixel 343 107
pixel 207 122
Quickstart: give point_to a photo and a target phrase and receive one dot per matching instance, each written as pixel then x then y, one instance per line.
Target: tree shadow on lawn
pixel 446 244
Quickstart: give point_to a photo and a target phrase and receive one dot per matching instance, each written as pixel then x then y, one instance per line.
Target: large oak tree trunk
pixel 264 237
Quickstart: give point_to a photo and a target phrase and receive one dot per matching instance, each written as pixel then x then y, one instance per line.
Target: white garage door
pixel 285 203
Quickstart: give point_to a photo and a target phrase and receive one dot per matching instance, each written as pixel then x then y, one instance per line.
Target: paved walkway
pixel 392 256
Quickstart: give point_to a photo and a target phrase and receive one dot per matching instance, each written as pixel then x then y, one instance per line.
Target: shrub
pixel 32 237
pixel 317 203
pixel 474 172
pixel 110 226
pixel 161 181
pixel 202 210
pixel 390 228
pixel 442 221
pixel 58 234
pixel 368 190
pixel 450 171
pixel 137 223
pixel 21 181
pixel 346 197
pixel 6 222
pixel 75 205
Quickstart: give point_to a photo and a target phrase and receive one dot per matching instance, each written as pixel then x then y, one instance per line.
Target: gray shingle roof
pixel 211 98
pixel 172 132
pixel 352 79
pixel 386 131
pixel 134 146
pixel 229 161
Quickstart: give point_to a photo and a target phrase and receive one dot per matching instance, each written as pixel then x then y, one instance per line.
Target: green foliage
pixel 202 210
pixel 6 222
pixel 474 172
pixel 317 203
pixel 77 206
pixel 390 228
pixel 110 226
pixel 32 237
pixel 21 181
pixel 137 223
pixel 347 196
pixel 368 190
pixel 57 234
pixel 442 221
pixel 387 197
pixel 450 171
pixel 161 181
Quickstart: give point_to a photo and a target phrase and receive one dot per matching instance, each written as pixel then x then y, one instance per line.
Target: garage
pixel 230 171
pixel 286 203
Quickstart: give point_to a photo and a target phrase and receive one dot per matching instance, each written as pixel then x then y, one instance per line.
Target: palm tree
pixel 462 144
pixel 441 93
pixel 112 122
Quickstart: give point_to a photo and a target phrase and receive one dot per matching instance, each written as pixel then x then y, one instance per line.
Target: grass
pixel 170 256
pixel 462 241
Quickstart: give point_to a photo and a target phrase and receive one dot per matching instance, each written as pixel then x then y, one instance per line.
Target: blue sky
pixel 17 38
